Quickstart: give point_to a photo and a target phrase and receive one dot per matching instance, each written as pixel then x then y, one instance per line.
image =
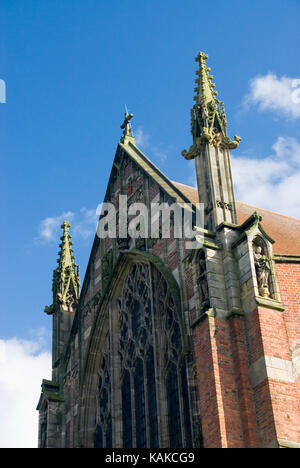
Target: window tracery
pixel 103 436
pixel 150 353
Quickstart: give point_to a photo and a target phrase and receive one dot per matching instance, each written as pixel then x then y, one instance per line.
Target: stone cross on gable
pixel 126 124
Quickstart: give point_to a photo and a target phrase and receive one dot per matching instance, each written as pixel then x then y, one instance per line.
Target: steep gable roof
pixel 154 172
pixel 283 229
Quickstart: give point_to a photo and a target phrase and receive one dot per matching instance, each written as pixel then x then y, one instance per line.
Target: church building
pixel 168 346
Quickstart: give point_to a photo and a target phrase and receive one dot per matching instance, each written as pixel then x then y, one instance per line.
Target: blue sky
pixel 71 66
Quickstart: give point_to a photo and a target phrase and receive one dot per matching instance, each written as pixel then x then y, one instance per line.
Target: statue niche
pixel 262 266
pixel 202 282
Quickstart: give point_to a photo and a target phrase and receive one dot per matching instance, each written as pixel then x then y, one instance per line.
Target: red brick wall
pixel 276 334
pixel 233 413
pixel 288 276
pixel 241 365
pixel 287 401
pixel 206 386
pixel 218 392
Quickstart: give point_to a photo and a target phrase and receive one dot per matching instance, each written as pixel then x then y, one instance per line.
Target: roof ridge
pixel 270 211
pixel 186 185
pixel 247 204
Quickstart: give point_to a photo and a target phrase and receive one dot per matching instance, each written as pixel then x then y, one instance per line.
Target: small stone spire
pixel 66 277
pixel 210 149
pixel 205 93
pixel 208 117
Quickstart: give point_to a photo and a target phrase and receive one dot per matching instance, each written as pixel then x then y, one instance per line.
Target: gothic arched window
pixel 103 436
pixel 126 410
pixel 135 343
pixel 150 365
pixel 174 367
pixel 151 400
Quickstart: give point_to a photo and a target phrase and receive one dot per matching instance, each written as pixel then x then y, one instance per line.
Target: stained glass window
pixel 103 435
pixel 126 411
pixel 150 357
pixel 175 432
pixel 139 396
pixel 186 406
pixel 152 405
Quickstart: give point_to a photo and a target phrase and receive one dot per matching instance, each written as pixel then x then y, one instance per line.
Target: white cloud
pixel 280 94
pixel 192 180
pixel 141 137
pixel 160 154
pixel 87 224
pixel 49 227
pixel 23 365
pixel 84 225
pixel 273 182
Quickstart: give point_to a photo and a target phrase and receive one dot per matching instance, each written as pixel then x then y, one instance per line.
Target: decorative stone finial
pixel 208 118
pixel 66 279
pixel 126 125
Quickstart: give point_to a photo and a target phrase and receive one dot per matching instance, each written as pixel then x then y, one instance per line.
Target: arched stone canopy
pixel 106 325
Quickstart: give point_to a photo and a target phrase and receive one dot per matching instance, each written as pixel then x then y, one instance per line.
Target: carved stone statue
pixel 202 283
pixel 262 267
pixel 126 124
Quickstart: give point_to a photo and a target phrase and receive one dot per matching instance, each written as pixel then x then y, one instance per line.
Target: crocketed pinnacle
pixel 66 277
pixel 208 117
pixel 205 93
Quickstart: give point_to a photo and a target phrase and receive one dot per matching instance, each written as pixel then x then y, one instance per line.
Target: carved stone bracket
pixel 216 139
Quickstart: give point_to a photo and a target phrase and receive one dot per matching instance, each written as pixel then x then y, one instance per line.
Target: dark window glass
pixel 136 318
pixel 140 417
pixel 146 293
pixel 186 406
pixel 152 407
pixel 126 411
pixel 173 408
pixel 98 438
pixel 108 436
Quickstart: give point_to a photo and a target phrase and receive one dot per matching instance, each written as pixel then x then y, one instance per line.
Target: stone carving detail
pixel 137 196
pixel 103 435
pixel 124 242
pixel 262 266
pixel 202 282
pixel 66 277
pixel 224 205
pixel 87 310
pixel 126 126
pixel 137 177
pixel 208 117
pixel 107 264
